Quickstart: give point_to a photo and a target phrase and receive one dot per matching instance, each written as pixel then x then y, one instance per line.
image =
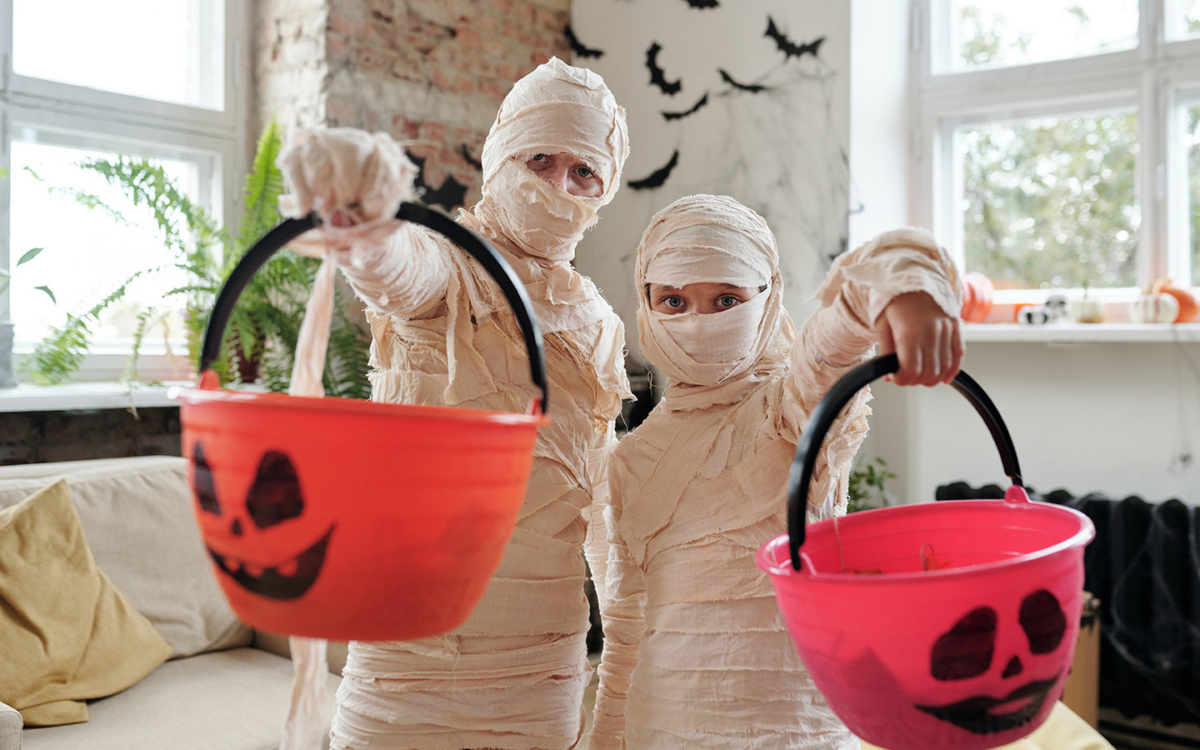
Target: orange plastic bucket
pixel 350 520
pixel 937 626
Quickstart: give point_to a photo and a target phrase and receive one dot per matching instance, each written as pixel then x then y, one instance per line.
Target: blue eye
pixel 728 300
pixel 673 301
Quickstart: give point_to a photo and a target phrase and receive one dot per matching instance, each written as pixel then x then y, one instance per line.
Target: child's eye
pixel 585 173
pixel 539 157
pixel 673 301
pixel 728 300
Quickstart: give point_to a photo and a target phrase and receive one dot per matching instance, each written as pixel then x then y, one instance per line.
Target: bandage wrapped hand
pixel 354 180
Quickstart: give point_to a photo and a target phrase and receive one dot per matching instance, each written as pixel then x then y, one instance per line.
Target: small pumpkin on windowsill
pixel 1186 300
pixel 1154 307
pixel 977 297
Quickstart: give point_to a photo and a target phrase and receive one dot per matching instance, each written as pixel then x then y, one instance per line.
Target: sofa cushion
pixel 233 700
pixel 66 634
pixel 138 520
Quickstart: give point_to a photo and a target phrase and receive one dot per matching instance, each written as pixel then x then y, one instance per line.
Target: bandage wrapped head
pixel 557 108
pixel 709 239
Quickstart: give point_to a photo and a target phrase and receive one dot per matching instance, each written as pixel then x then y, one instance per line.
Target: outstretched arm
pixel 899 290
pixel 356 181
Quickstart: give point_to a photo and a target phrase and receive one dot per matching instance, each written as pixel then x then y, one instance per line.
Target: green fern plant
pixel 260 343
pixel 867 485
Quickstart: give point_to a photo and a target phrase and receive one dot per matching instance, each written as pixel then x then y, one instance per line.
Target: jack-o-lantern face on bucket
pixel 968 651
pixel 274 497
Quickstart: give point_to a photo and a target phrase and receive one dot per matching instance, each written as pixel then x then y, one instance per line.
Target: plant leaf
pixel 30 255
pixel 61 353
pixel 263 186
pixel 49 293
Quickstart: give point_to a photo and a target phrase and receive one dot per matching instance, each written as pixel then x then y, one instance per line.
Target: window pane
pixel 87 253
pixel 171 50
pixel 1183 19
pixel 1192 143
pixel 1052 202
pixel 995 33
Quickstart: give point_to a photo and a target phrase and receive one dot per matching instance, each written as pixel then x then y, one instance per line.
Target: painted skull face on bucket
pixel 968 652
pixel 280 564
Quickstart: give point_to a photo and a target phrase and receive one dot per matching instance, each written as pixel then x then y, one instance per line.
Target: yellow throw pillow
pixel 66 633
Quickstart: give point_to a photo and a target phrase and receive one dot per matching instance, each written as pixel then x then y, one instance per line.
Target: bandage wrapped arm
pixel 841 334
pixel 396 268
pixel 595 544
pixel 622 611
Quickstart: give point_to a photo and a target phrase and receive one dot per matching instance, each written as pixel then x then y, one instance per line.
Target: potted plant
pixel 866 487
pixel 261 339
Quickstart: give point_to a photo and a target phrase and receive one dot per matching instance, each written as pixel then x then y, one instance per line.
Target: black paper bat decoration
pixel 577 47
pixel 753 88
pixel 788 47
pixel 680 115
pixel 657 76
pixel 466 155
pixel 702 4
pixel 658 177
pixel 449 195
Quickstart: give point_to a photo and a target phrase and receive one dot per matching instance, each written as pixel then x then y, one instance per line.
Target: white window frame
pixel 1153 79
pixel 74 115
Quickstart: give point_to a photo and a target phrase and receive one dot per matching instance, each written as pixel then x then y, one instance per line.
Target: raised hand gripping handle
pixel 826 412
pixel 473 244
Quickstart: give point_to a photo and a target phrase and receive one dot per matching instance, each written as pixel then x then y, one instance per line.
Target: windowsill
pixel 85 396
pixel 1081 333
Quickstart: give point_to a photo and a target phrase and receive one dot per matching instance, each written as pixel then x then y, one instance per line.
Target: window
pixel 160 80
pixel 1058 141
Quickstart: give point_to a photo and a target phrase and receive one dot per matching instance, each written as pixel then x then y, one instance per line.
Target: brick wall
pixel 430 72
pixel 289 62
pixel 45 436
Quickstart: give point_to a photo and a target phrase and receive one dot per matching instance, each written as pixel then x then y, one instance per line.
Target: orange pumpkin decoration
pixel 1188 310
pixel 977 297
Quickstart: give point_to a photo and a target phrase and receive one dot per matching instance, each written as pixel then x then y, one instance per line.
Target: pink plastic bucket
pixel 946 625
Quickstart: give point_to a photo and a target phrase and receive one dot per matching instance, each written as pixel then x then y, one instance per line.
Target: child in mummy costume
pixel 513 675
pixel 696 654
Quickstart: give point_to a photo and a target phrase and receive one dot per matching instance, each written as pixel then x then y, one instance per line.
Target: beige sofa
pixel 225 685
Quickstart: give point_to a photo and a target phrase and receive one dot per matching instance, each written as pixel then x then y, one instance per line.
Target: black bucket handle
pixel 475 246
pixel 826 412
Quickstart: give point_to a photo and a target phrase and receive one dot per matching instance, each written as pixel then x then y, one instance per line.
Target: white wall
pixel 880 96
pixel 1111 417
pixel 780 151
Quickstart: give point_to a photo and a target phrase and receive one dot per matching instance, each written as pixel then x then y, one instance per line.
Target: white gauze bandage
pixel 557 108
pixel 709 239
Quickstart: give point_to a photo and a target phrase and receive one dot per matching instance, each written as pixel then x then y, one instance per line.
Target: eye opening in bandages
pixel 525 156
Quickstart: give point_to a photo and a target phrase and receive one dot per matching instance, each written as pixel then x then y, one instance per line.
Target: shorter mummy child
pixel 696 654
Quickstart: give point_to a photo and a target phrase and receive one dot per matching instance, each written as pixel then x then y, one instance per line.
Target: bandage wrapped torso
pixel 696 653
pixel 513 675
